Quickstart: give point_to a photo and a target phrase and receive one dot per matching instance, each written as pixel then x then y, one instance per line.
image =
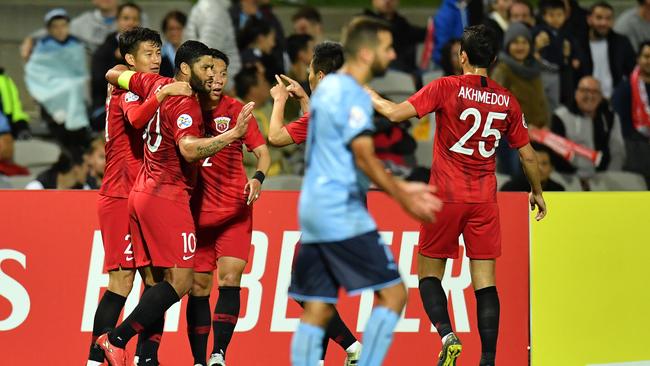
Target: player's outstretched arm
pixel 196 148
pixel 140 115
pixel 531 169
pixel 278 134
pixel 254 185
pixel 416 199
pixel 391 110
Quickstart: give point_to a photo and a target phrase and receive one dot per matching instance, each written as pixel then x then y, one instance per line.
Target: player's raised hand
pixel 537 200
pixel 242 120
pixel 177 88
pixel 252 189
pixel 419 201
pixel 294 88
pixel 279 92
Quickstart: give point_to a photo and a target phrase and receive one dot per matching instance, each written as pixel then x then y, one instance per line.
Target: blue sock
pixel 378 336
pixel 306 345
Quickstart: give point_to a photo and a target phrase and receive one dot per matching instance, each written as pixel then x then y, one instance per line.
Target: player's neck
pixel 357 71
pixel 471 70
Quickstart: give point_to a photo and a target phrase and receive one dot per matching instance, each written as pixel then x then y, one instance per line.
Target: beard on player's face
pixel 377 69
pixel 199 85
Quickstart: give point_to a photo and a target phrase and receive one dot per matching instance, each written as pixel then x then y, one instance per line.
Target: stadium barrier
pixel 51 280
pixel 590 281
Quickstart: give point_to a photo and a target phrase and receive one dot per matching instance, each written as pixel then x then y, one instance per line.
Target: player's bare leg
pixel 434 300
pixel 487 307
pixel 120 283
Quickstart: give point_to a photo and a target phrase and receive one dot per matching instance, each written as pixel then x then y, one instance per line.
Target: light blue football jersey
pixel 332 204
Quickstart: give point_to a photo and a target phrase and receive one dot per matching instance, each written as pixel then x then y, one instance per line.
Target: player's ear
pixel 321 75
pixel 366 55
pixel 185 68
pixel 130 59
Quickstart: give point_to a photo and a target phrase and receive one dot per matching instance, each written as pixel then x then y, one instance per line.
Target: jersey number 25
pixel 459 146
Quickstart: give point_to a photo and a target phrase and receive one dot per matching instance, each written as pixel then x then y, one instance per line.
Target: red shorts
pixel 113 213
pixel 223 233
pixel 163 229
pixel 479 224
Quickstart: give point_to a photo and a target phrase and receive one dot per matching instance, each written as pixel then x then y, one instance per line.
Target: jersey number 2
pixel 459 146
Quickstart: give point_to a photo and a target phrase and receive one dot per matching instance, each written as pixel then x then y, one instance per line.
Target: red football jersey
pixel 223 177
pixel 165 173
pixel 472 114
pixel 298 129
pixel 124 145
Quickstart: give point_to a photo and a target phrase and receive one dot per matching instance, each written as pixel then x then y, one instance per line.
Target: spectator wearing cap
pixel 406 36
pixel 173 25
pixel 105 57
pixel 519 183
pixel 210 22
pixel 56 76
pixel 307 20
pixel 634 23
pixel 590 122
pixel 90 27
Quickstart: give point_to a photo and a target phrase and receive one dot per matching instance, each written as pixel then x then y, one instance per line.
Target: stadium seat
pixel 283 183
pixel 618 181
pixel 396 85
pixel 424 153
pixel 502 179
pixel 569 182
pixel 36 153
pixel 19 181
pixel 430 76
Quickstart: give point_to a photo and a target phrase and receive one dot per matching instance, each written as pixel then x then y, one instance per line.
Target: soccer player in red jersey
pixel 472 114
pixel 160 219
pixel 328 57
pixel 126 115
pixel 222 208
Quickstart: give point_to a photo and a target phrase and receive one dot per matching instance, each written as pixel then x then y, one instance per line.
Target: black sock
pixel 339 332
pixel 434 301
pixel 198 326
pixel 152 306
pixel 487 312
pixel 106 316
pixel 141 339
pixel 226 313
pixel 149 341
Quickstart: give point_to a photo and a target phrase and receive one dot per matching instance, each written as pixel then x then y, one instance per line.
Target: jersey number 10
pixel 459 146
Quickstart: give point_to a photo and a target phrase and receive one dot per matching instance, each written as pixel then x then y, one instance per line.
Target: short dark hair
pixel 541 148
pixel 328 57
pixel 307 12
pixel 642 45
pixel 220 55
pixel 297 43
pixel 480 44
pixel 600 4
pixel 68 159
pixel 546 5
pixel 254 28
pixel 523 2
pixel 176 15
pixel 247 78
pixel 129 41
pixel 362 31
pixel 128 5
pixel 190 52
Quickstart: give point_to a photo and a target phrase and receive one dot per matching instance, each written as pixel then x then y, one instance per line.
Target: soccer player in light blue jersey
pixel 341 245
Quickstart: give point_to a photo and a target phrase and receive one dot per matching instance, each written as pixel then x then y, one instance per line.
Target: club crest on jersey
pixel 130 97
pixel 221 124
pixel 184 121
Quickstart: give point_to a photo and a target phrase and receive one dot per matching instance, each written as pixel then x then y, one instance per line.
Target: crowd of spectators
pixel 580 74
